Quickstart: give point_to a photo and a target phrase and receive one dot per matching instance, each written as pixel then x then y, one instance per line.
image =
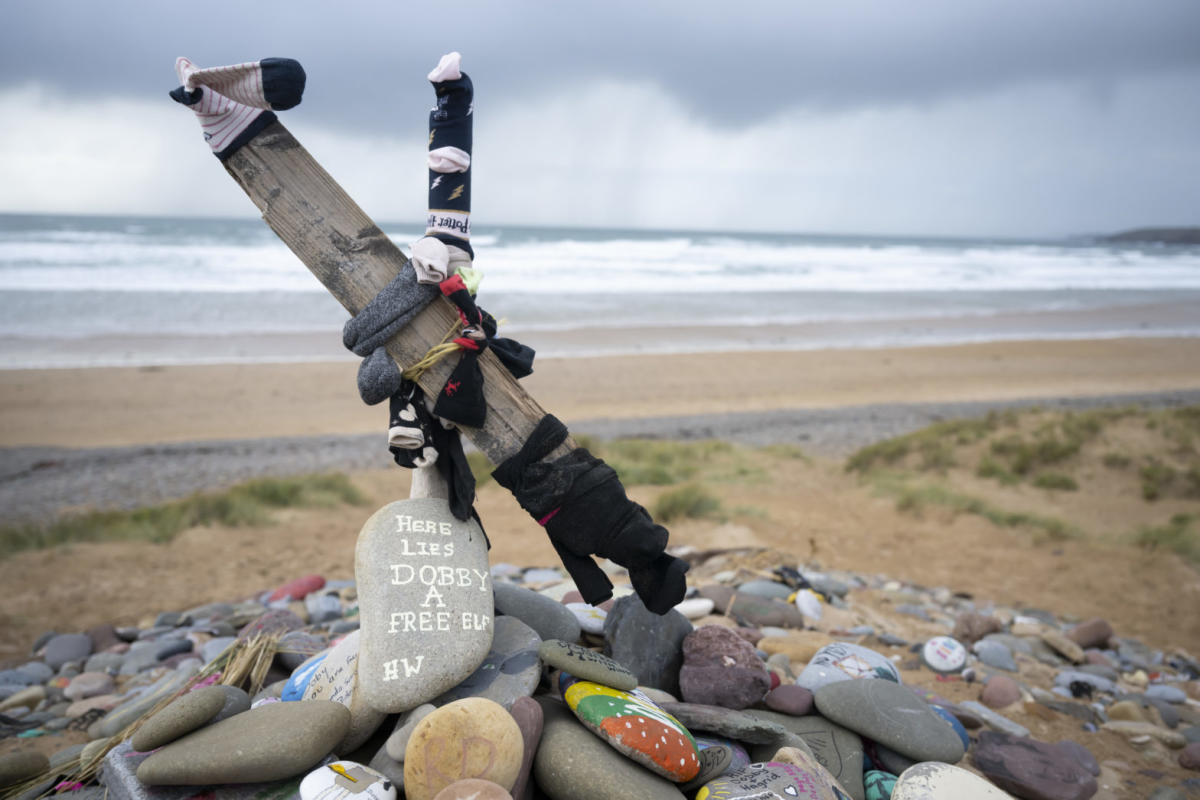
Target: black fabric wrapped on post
pixel 584 508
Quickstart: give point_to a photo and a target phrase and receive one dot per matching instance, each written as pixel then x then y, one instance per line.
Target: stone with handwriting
pixel 336 679
pixel 425 603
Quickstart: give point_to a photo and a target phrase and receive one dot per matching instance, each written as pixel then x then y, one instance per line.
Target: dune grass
pixel 249 503
pixel 690 500
pixel 1179 535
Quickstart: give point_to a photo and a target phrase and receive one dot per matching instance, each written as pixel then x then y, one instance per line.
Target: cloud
pixel 1048 159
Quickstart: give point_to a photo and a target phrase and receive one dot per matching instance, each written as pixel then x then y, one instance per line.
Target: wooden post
pixel 354 259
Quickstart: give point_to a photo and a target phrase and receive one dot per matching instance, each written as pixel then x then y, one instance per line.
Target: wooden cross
pixel 354 260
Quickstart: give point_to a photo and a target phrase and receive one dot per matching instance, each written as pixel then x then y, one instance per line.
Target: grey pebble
pixel 550 618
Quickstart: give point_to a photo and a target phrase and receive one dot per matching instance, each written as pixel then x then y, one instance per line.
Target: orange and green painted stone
pixel 635 726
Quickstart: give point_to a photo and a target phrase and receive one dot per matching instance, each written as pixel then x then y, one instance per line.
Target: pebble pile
pixel 768 681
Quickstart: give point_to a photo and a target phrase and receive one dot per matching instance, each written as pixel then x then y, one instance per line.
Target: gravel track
pixel 40 483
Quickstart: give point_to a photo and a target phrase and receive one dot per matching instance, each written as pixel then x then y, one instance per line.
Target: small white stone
pixel 342 780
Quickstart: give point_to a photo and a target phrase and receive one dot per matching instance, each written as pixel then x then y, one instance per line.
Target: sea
pixel 87 291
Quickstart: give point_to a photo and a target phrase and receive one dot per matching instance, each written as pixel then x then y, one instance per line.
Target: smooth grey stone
pixel 995 654
pixel 827 585
pixel 1098 669
pixel 892 761
pixel 66 647
pixel 104 662
pixel 155 632
pixel 13 677
pixel 648 645
pixel 511 669
pixel 172 619
pixel 425 602
pixel 1169 694
pixel 236 701
pixel 184 715
pixel 272 742
pixel 1069 676
pixel 1081 754
pixel 210 611
pixel 1166 793
pixel 67 755
pixel 215 646
pixel 541 575
pixel 550 618
pixel 505 570
pixel 726 723
pixel 714 762
pixel 891 640
pixel 572 763
pixel 397 743
pixel 21 766
pixel 344 626
pixel 913 610
pixel 837 749
pixel 1017 644
pixel 587 664
pixel 338 678
pixel 297 647
pixel 139 660
pixel 322 606
pixel 842 661
pixel 36 671
pixel 1192 733
pixel 7 690
pixel 892 715
pixel 128 633
pixel 765 588
pixel 389 768
pixel 119 779
pixel 121 716
pixel 1169 713
pixel 1046 654
pixel 992 719
pixel 172 647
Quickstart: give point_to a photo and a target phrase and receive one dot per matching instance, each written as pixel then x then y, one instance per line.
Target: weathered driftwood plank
pixel 353 258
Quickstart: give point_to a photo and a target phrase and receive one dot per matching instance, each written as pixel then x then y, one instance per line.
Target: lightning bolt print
pixel 457 193
pixel 436 182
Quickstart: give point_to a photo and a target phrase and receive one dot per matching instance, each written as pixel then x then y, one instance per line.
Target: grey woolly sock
pixel 388 312
pixel 378 377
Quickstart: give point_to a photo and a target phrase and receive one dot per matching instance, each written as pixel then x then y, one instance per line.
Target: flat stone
pixel 277 621
pixel 397 743
pixel 425 602
pixel 944 655
pixel 551 619
pixel 994 720
pixel 739 725
pixel 1168 694
pixel 635 726
pixel 66 647
pixel 587 664
pixel 1189 756
pixel 215 646
pixel 529 718
pixel 184 715
pixel 790 699
pixel 892 715
pixel 1131 730
pixel 337 679
pixel 296 589
pixel 721 669
pixel 842 661
pixel 1031 769
pixel 1126 711
pixel 346 779
pixel 236 701
pixel 764 588
pixel 323 607
pixel 124 715
pixel 470 738
pixel 1092 633
pixel 970 627
pixel 297 647
pixel 1000 691
pixel 473 789
pixel 28 697
pixel 995 654
pixel 573 764
pixel 762 612
pixel 1064 646
pixel 271 742
pixel 1080 754
pixel 109 663
pixel 934 781
pixel 837 749
pixel 511 669
pixel 591 618
pixel 648 645
pixel 21 766
pixel 695 607
pixel 765 781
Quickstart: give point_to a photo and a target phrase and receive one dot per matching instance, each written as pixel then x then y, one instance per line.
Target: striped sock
pixel 450 134
pixel 233 103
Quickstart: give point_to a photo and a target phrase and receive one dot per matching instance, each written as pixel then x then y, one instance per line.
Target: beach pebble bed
pixel 736 694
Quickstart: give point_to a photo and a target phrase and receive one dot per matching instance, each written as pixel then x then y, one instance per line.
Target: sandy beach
pixel 140 405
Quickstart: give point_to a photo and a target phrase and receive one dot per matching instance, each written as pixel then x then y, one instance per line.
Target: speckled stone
pixel 271 742
pixel 1029 768
pixel 721 669
pixel 471 738
pixel 184 715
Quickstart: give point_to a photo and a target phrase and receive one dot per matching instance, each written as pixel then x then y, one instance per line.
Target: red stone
pixel 297 589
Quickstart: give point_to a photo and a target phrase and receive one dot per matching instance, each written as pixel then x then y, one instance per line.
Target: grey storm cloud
pixel 730 64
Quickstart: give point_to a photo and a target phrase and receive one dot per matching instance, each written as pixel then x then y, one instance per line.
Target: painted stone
pixel 336 679
pixel 878 784
pixel 842 661
pixel 944 655
pixel 587 665
pixel 772 781
pixel 425 602
pixel 272 742
pixel 803 758
pixel 511 669
pixel 635 726
pixel 346 780
pixel 297 589
pixel 469 738
pixel 574 764
pixel 948 716
pixel 837 749
pixel 296 685
pixel 891 715
pixel 591 619
pixel 715 761
pixel 739 757
pixel 933 781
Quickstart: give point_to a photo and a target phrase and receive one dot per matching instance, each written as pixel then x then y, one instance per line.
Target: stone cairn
pixel 436 677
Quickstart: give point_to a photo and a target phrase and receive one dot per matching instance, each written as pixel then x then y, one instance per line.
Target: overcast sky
pixel 957 117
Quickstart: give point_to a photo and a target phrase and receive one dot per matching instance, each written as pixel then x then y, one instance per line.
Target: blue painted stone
pixel 300 678
pixel 879 784
pixel 953 722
